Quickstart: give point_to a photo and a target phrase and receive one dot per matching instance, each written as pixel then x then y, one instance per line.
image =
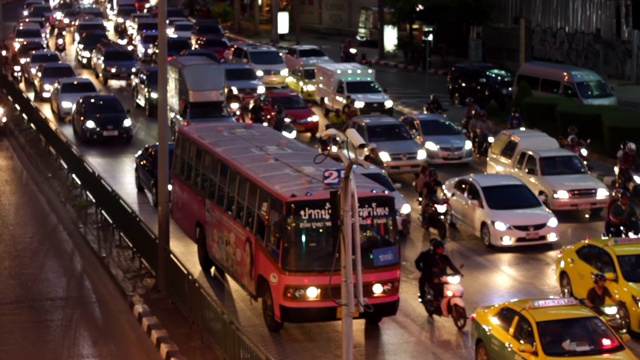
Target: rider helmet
pixel 599 277
pixel 617 193
pixel 436 244
pixel 433 97
pixel 572 139
pixel 624 194
pixel 572 130
pixel 432 174
pixel 469 100
pixel 631 148
pixel 515 111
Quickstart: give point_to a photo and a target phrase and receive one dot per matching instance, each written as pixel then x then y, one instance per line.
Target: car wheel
pixel 565 285
pixel 546 200
pixel 203 256
pixel 135 98
pixel 481 352
pixel 268 312
pixel 625 319
pixel 154 195
pixel 485 235
pixel 139 186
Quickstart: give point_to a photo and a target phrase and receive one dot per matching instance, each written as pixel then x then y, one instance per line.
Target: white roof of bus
pixel 279 163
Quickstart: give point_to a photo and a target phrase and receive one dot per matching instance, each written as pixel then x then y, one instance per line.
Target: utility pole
pixel 236 15
pixel 380 29
pixel 163 150
pixel 275 7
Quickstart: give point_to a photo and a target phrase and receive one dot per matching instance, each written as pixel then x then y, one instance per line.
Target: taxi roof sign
pixel 623 241
pixel 542 303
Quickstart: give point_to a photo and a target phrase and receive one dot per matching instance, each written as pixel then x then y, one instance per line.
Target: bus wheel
pixel 268 313
pixel 203 256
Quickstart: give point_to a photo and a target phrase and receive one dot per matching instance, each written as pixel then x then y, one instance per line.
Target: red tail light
pixel 472 317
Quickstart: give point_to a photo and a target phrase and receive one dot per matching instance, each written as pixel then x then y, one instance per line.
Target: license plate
pixel 356 313
pixel 110 133
pixel 532 235
pixel 405 168
pixel 584 206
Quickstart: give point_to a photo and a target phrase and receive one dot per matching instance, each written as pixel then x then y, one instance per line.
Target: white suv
pixel 265 60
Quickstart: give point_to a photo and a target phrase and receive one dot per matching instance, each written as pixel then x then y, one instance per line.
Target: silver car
pixel 444 142
pixel 398 152
pixel 242 83
pixel 46 76
pixel 36 58
pixel 66 92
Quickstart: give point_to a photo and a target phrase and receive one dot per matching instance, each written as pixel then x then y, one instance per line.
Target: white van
pixel 508 143
pixel 550 79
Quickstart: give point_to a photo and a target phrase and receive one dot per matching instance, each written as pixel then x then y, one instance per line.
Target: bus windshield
pixel 594 89
pixel 310 244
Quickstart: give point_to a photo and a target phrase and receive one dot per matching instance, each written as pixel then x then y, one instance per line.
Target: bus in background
pixel 256 206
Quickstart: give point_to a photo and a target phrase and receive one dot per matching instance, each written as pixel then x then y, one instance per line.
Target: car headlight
pixel 584 152
pixel 149 51
pixel 284 72
pixel 602 193
pixel 234 90
pixel 85 53
pixel 261 89
pixel 16 68
pixel 234 106
pixel 314 118
pixel 405 209
pixel 468 145
pixel 553 222
pixel 384 156
pixel 422 154
pixel 430 145
pixel 119 20
pixel 90 124
pixel 259 73
pixel 154 95
pixel 127 122
pixel 561 194
pixel 309 87
pixel 66 104
pixel 33 71
pixel 500 226
pixel 47 87
pixel 358 104
pixel 388 103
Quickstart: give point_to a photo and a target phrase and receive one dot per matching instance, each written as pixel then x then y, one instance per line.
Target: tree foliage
pixel 471 12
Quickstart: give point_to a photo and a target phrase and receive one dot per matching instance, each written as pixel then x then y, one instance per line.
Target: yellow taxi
pixel 544 328
pixel 302 79
pixel 618 259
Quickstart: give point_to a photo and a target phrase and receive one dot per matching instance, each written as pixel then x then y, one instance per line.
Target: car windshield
pixel 57 72
pixel 214 43
pixel 44 58
pixel 209 30
pixel 585 336
pixel 24 49
pixel 104 105
pixel 630 267
pixel 177 45
pixel 78 87
pixel 240 74
pixel 118 56
pixel 38 22
pixel 149 39
pixel 387 132
pixel 510 197
pixel 147 26
pixel 438 127
pixel 265 57
pixel 309 244
pixel 289 102
pixel 93 39
pixel 175 13
pixel 562 165
pixel 382 179
pixel 125 11
pixel 594 89
pixel 91 26
pixel 309 74
pixel 363 87
pixel 28 33
pixel 207 110
pixel 499 75
pixel 305 53
pixel 183 27
pixel 152 79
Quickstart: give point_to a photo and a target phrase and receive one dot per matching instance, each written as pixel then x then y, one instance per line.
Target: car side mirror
pixel 542 198
pixel 384 90
pixel 311 105
pixel 625 338
pixel 531 171
pixel 475 203
pixel 526 348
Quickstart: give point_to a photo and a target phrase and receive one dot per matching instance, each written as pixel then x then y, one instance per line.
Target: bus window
pixel 276 228
pixel 221 193
pixel 229 203
pixel 212 172
pixel 197 165
pixel 241 199
pixel 251 203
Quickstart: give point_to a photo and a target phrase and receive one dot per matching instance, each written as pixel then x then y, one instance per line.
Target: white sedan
pixel 66 92
pixel 500 209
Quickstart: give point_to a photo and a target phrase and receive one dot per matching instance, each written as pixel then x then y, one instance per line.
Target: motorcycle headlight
pixel 405 209
pixel 119 20
pixel 602 193
pixel 636 179
pixel 309 87
pixel 33 71
pixel 314 118
pixel 610 309
pixel 353 51
pixel 261 89
pixel 441 208
pixel 85 54
pixel 561 194
pixel 358 104
pixel 500 226
pixel 491 139
pixel 287 120
pixel 234 106
pixel 90 124
pixel 259 73
pixel 553 222
pixel 384 156
pixel 234 90
pixel 430 145
pixel 454 279
pixel 584 152
pixel 23 60
pixel 66 104
pixel 388 103
pixel 16 68
pixel 422 154
pixel 126 122
pixel 47 87
pixel 468 145
pixel 284 72
pixel 154 95
pixel 149 51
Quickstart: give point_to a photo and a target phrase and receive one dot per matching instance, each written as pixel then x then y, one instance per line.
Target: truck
pixel 336 81
pixel 196 92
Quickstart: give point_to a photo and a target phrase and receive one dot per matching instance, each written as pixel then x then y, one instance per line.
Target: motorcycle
pixel 429 109
pixel 349 55
pixel 17 73
pixel 628 180
pixel 451 304
pixel 613 315
pixel 583 153
pixel 482 143
pixel 61 46
pixel 433 215
pixel 3 121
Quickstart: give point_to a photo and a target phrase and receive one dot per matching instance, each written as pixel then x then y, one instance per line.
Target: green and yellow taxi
pixel 544 328
pixel 618 259
pixel 302 79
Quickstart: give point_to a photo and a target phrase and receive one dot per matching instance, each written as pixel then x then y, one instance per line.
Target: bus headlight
pixel 312 292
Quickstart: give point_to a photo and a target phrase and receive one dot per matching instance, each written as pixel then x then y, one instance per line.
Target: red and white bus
pixel 256 205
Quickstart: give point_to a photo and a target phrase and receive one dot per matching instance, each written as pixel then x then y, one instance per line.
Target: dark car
pixel 122 14
pixel 145 90
pixel 87 42
pixel 207 28
pixel 147 170
pixel 215 44
pixel 206 53
pixel 484 82
pixel 97 117
pixel 175 45
pixel 112 61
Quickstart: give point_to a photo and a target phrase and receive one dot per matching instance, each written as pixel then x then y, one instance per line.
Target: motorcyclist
pixel 471 108
pixel 257 111
pixel 279 119
pixel 433 106
pixel 429 194
pixel 373 156
pixel 337 118
pixel 615 197
pixel 573 144
pixel 626 161
pixel 598 294
pixel 515 120
pixel 433 264
pixel 346 54
pixel 622 215
pixel 60 43
pixel 480 130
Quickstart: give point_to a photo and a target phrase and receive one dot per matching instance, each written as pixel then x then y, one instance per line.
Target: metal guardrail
pixel 182 286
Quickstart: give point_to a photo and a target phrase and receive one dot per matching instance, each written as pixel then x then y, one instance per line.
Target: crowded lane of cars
pixel 120 86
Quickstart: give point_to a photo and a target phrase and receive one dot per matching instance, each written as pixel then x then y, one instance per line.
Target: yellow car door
pixel 585 264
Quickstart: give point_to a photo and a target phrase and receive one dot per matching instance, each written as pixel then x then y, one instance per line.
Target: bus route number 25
pixel 332 176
